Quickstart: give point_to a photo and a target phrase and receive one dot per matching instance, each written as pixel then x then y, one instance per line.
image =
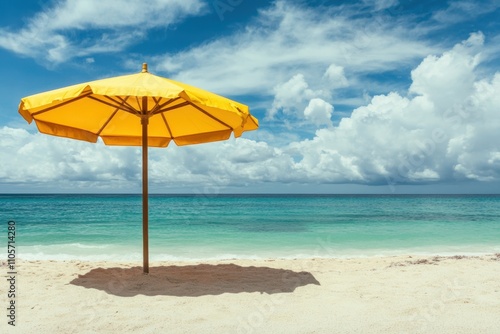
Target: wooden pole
pixel 145 236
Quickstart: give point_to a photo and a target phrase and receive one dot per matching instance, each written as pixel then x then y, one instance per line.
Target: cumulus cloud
pixel 319 112
pixel 291 95
pixel 60 163
pixel 444 132
pixel 454 69
pixel 40 159
pixel 297 102
pixel 109 26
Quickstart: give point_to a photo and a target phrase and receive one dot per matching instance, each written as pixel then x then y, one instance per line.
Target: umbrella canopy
pixel 137 110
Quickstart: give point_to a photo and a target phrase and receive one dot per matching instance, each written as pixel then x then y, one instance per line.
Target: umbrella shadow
pixel 193 280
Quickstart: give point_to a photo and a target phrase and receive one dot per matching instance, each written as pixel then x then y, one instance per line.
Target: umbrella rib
pixel 157 103
pixel 166 124
pixel 120 106
pixel 107 121
pixel 158 107
pixel 139 104
pixel 61 104
pixel 124 102
pixel 211 116
pixel 157 100
pixel 180 105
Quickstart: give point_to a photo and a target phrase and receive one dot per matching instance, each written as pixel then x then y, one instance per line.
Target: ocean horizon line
pixel 254 194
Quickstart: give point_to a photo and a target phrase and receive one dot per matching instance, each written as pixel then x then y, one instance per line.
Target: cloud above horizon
pixel 444 128
pixel 288 39
pixel 108 26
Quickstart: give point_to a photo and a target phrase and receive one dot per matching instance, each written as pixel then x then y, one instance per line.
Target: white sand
pixel 374 295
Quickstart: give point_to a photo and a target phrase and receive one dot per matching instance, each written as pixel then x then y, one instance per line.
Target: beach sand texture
pixel 400 294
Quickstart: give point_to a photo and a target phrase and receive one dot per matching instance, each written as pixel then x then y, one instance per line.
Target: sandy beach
pixel 401 294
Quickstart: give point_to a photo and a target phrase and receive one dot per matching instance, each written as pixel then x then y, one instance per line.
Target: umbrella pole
pixel 145 237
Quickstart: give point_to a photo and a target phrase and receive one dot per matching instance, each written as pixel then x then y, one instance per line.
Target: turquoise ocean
pixel 207 227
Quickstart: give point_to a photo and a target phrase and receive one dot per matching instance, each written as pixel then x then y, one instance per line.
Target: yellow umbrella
pixel 138 109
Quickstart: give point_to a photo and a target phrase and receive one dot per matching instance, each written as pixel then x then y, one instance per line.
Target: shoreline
pixel 392 294
pixel 337 254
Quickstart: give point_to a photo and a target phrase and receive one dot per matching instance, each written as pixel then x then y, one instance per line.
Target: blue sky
pixel 352 96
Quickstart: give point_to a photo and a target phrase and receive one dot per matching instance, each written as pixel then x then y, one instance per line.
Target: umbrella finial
pixel 144 67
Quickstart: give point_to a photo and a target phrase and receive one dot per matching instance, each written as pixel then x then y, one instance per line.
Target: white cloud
pixel 291 95
pixel 110 14
pixel 297 102
pixel 449 131
pixel 291 38
pixel 436 75
pixel 319 112
pixel 459 11
pixel 113 25
pixel 59 163
pixel 37 158
pixel 335 76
